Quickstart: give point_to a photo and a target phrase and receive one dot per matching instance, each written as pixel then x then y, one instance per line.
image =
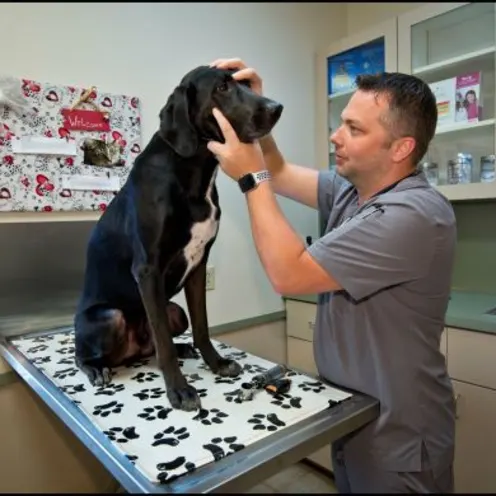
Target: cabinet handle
pixel 457 397
pixel 311 325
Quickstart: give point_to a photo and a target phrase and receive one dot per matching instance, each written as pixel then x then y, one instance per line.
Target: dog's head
pixel 186 120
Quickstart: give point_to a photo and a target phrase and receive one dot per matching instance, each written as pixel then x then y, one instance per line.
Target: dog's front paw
pixel 228 368
pixel 184 398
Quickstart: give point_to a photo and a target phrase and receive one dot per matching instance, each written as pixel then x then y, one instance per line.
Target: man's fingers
pixel 228 64
pixel 225 125
pixel 215 147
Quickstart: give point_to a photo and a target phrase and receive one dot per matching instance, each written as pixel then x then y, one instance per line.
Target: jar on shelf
pixel 460 169
pixel 487 169
pixel 431 171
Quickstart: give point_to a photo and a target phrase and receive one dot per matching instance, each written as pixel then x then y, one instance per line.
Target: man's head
pixel 386 127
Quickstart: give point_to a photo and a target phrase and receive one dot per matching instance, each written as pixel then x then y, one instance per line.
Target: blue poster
pixel 345 67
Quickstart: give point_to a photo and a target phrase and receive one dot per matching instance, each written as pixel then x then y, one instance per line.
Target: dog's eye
pixel 222 87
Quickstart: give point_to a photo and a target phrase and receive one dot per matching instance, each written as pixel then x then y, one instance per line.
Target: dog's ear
pixel 175 124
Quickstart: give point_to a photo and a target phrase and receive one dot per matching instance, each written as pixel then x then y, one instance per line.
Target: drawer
pixel 472 357
pixel 300 319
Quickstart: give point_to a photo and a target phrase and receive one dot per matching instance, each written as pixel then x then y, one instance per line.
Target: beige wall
pixel 361 15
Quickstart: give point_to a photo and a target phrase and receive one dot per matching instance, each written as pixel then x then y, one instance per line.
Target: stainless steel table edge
pixel 236 472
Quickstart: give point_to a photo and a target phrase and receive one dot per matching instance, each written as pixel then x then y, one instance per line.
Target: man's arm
pixel 290 180
pixel 289 267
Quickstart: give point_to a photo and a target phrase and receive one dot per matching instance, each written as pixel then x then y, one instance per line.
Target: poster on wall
pixel 344 67
pixel 64 148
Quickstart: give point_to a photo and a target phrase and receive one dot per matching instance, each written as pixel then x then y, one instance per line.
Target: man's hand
pixel 235 158
pixel 243 72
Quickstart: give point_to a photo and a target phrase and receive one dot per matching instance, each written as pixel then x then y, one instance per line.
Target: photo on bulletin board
pixel 64 148
pixel 346 66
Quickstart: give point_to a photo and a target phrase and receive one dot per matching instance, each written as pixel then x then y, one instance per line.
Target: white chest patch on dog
pixel 201 234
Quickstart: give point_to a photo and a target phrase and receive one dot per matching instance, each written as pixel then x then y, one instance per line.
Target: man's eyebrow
pixel 350 121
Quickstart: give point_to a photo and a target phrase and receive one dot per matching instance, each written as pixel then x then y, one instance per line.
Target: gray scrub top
pixel 381 334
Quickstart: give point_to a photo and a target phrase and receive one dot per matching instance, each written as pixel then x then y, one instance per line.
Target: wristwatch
pixel 252 180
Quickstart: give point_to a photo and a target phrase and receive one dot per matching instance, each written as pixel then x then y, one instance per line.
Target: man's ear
pixel 175 125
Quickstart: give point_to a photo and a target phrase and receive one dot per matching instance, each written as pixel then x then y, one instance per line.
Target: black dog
pixel 155 237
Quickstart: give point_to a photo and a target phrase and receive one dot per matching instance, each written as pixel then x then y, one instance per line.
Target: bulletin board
pixel 64 148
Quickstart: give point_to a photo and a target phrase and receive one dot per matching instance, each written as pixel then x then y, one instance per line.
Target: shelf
pixel 341 94
pixel 471 191
pixel 464 126
pixel 477 55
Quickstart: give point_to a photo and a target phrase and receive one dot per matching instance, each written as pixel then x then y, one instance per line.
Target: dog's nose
pixel 275 109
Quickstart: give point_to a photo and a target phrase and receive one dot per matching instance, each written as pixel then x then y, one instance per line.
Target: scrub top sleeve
pixel 378 248
pixel 328 185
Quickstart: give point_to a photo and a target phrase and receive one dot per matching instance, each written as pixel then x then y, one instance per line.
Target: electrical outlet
pixel 210 277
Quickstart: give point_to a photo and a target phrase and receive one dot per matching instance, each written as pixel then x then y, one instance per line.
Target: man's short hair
pixel 412 107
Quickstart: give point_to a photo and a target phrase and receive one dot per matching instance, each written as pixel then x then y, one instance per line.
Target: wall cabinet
pixel 452 47
pixel 472 368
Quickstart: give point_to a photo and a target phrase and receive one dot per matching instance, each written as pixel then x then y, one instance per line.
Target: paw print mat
pixel 134 413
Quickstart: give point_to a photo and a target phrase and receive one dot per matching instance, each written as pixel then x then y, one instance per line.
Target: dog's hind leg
pixel 195 290
pixel 99 336
pixel 180 394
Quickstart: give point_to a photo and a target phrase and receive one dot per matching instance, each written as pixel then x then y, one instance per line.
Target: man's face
pixel 362 141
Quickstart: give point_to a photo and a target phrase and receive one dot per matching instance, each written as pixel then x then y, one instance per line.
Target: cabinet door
pixel 300 319
pixel 300 356
pixel 475 450
pixel 452 48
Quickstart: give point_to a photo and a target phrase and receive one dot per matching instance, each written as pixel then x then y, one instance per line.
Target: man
pixel 382 270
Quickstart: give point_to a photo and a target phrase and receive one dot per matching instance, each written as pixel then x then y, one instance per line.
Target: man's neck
pixel 385 184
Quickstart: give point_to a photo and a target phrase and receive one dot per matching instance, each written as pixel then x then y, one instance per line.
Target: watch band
pixel 253 179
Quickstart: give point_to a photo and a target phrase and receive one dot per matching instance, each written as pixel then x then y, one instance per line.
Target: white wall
pixel 361 15
pixel 144 50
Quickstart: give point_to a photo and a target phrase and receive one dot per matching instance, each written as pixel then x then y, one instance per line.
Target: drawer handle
pixel 311 325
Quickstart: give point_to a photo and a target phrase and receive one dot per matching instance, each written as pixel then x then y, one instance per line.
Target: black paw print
pixel 227 380
pixel 274 422
pixel 223 346
pixel 236 355
pixel 110 389
pixel 170 436
pixel 286 401
pixel 73 389
pixel 155 412
pixel 66 361
pixel 36 349
pixel 292 373
pixel 153 393
pixel 145 377
pixel 132 458
pixel 122 434
pixel 165 467
pixel 68 350
pixel 66 341
pixel 62 374
pixel 202 393
pixel 190 378
pixel 108 408
pixel 218 451
pixel 253 369
pixel 136 364
pixel 40 339
pixel 315 386
pixel 232 396
pixel 39 360
pixel 216 417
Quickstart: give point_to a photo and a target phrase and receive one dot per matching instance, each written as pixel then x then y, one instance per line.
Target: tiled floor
pixel 299 478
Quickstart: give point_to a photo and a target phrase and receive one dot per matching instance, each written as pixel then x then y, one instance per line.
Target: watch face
pixel 247 182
